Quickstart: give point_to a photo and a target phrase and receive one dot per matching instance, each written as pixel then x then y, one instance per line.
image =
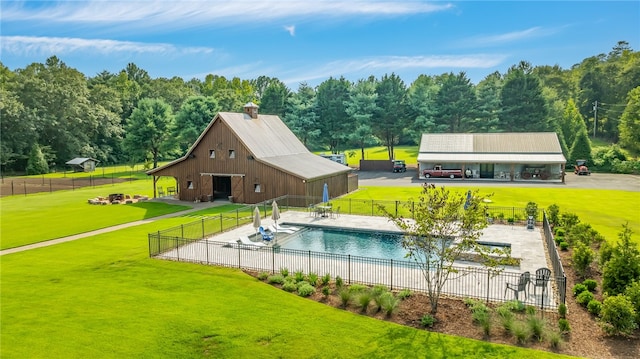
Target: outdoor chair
pixel 313 212
pixel 336 213
pixel 160 192
pixel 542 278
pixel 521 286
pixel 265 236
pixel 171 191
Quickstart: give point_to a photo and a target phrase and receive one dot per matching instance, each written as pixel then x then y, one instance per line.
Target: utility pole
pixel 595 118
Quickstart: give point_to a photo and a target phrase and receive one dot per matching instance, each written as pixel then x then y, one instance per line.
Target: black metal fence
pixel 554 257
pixel 468 282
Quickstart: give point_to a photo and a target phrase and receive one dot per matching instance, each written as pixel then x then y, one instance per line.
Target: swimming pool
pixel 372 244
pixel 356 242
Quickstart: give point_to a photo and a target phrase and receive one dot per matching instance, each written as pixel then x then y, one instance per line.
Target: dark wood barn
pixel 250 158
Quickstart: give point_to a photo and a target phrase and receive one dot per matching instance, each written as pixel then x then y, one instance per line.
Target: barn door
pixel 237 189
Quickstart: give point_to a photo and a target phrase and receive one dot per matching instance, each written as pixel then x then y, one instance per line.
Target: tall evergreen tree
pixel 421 97
pixel 361 108
pixel 37 163
pixel 630 122
pixel 456 104
pixel 488 95
pixel 392 116
pixel 581 147
pixel 331 99
pixel 524 108
pixel 274 99
pixel 301 117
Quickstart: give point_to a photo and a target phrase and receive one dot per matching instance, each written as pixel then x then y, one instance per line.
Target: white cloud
pixel 24 45
pixel 389 64
pixel 509 37
pixel 180 14
pixel 291 30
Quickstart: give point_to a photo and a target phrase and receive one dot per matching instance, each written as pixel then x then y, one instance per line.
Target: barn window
pixel 190 184
pixel 256 187
pixel 232 153
pixel 212 153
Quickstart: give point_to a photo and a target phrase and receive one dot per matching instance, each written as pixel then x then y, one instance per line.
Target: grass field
pixel 102 297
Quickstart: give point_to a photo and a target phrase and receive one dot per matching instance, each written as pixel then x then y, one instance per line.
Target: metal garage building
pixel 500 156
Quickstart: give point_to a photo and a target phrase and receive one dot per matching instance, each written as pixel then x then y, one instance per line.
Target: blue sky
pixel 310 41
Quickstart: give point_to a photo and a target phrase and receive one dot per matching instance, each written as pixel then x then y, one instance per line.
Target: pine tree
pixel 37 163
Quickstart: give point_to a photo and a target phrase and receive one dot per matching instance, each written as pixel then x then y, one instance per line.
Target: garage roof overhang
pixel 527 158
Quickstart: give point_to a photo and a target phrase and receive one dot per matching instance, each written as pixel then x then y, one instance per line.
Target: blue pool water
pixel 384 245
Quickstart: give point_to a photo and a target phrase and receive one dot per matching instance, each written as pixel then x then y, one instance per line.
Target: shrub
pixel 339 282
pixel 563 325
pixel 579 288
pixel 428 320
pixel 562 310
pixel 507 323
pixel 364 299
pixel 504 311
pixel 378 289
pixel 564 246
pixel 555 340
pixel 358 288
pixel 326 291
pixel 582 258
pixel 521 332
pixel 604 254
pixel 594 307
pixel 389 303
pixel 554 214
pixel 532 209
pixel 590 284
pixel 275 279
pixel 263 275
pixel 299 276
pixel 326 279
pixel 633 293
pixel 290 286
pixel 485 323
pixel 618 316
pixel 305 289
pixel 531 310
pixel 404 294
pixel 559 231
pixel 284 271
pixel 312 278
pixel 558 239
pixel 345 296
pixel 584 298
pixel 536 327
pixel 569 220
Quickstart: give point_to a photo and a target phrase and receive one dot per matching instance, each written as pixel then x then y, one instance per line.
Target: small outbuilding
pixel 83 164
pixel 498 156
pixel 250 158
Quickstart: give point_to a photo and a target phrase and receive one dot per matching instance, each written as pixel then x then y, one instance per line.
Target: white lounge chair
pixel 245 241
pixel 281 230
pixel 287 228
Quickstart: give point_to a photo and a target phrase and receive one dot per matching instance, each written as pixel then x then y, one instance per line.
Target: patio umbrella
pixel 325 193
pixel 256 219
pixel 467 203
pixel 275 215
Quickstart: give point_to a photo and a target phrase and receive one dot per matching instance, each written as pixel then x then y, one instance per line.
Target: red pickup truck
pixel 437 171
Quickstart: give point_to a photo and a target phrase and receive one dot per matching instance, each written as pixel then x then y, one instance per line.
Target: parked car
pixel 438 171
pixel 399 166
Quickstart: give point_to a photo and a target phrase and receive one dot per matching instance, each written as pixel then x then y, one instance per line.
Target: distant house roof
pixel 80 160
pixel 270 141
pixel 525 147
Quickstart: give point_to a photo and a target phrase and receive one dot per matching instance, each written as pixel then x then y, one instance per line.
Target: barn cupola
pixel 251 109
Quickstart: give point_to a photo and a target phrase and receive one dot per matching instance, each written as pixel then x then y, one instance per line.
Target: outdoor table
pixel 323 210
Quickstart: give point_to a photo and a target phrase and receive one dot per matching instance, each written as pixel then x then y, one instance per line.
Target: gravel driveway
pixel 595 180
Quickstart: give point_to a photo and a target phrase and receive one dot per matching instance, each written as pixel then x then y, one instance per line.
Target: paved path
pixel 196 207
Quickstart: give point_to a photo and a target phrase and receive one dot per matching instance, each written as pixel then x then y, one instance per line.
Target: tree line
pixel 51 113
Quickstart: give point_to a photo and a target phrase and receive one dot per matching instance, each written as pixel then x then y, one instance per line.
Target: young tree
pixel 149 132
pixel 581 148
pixel 440 230
pixel 37 163
pixel 624 266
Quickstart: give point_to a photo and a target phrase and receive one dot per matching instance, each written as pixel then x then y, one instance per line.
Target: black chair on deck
pixel 521 286
pixel 542 278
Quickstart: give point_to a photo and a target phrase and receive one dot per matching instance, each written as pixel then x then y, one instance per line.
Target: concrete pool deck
pixel 527 245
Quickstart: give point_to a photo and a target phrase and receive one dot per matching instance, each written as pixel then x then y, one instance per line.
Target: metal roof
pixel 80 160
pixel 270 141
pixel 522 142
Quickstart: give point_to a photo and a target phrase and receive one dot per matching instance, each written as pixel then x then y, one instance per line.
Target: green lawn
pixel 605 210
pixel 43 216
pixel 102 297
